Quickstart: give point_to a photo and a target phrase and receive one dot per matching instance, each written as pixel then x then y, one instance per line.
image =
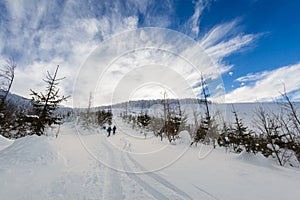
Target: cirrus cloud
pixel 43 34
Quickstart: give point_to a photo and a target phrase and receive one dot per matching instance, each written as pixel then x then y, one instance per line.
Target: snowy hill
pixel 19 102
pixel 23 104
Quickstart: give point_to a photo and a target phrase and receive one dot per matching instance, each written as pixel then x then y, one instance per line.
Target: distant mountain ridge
pixel 22 101
pixel 18 101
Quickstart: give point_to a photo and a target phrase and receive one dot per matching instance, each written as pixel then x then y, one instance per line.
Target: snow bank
pixel 257 159
pixel 29 150
pixel 4 142
pixel 184 138
pixel 27 167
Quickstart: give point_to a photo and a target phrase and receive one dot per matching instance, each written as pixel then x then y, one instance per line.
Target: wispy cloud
pixel 125 55
pixel 191 26
pixel 254 76
pixel 46 33
pixel 42 34
pixel 218 33
pixel 194 21
pixel 267 85
pixel 224 40
pixel 232 45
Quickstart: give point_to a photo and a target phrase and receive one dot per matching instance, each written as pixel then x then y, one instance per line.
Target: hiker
pixel 108 131
pixel 114 129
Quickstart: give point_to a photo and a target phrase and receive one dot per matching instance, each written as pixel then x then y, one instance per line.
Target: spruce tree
pixel 144 120
pixel 46 103
pixel 241 137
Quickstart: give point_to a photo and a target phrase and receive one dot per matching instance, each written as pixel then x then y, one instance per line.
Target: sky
pixel 254 45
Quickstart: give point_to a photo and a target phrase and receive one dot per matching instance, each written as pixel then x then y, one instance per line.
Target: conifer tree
pixel 46 103
pixel 241 135
pixel 144 120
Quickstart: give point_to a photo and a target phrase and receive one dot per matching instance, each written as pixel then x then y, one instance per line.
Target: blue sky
pixel 254 43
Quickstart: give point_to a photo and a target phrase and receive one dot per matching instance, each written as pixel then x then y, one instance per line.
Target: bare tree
pixel 174 119
pixel 88 116
pixel 90 103
pixel 207 126
pixel 269 125
pixel 292 112
pixel 7 75
pixel 291 126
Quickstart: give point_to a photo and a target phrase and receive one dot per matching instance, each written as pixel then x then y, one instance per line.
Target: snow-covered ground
pixel 85 164
pixel 4 142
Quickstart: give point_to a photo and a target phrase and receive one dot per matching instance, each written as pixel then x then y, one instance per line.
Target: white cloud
pixel 115 62
pixel 268 85
pixel 225 48
pixel 219 33
pixel 224 40
pixel 192 25
pixel 46 33
pixel 195 19
pixel 253 76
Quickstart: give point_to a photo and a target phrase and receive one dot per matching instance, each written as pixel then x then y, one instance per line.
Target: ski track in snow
pixel 112 187
pixel 155 178
pixel 156 194
pixel 178 192
pixel 205 192
pixel 148 180
pixel 117 185
pixel 134 187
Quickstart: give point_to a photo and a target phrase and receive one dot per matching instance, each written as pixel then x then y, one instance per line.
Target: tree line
pixel 275 135
pixel 39 113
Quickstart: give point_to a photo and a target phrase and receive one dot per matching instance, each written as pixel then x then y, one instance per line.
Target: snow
pixel 29 150
pixel 26 167
pixel 4 142
pixel 86 164
pixel 184 138
pixel 32 116
pixel 275 148
pixel 257 159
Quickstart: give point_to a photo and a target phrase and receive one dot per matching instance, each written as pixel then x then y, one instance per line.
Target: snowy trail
pixel 117 183
pixel 163 188
pixel 112 187
pixel 93 166
pixel 160 180
pixel 82 177
pixel 124 169
pixel 151 183
pixel 166 189
pixel 155 193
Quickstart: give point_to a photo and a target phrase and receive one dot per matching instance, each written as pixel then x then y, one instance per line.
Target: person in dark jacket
pixel 108 131
pixel 114 129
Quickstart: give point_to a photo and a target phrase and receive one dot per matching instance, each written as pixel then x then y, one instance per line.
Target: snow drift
pixel 4 142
